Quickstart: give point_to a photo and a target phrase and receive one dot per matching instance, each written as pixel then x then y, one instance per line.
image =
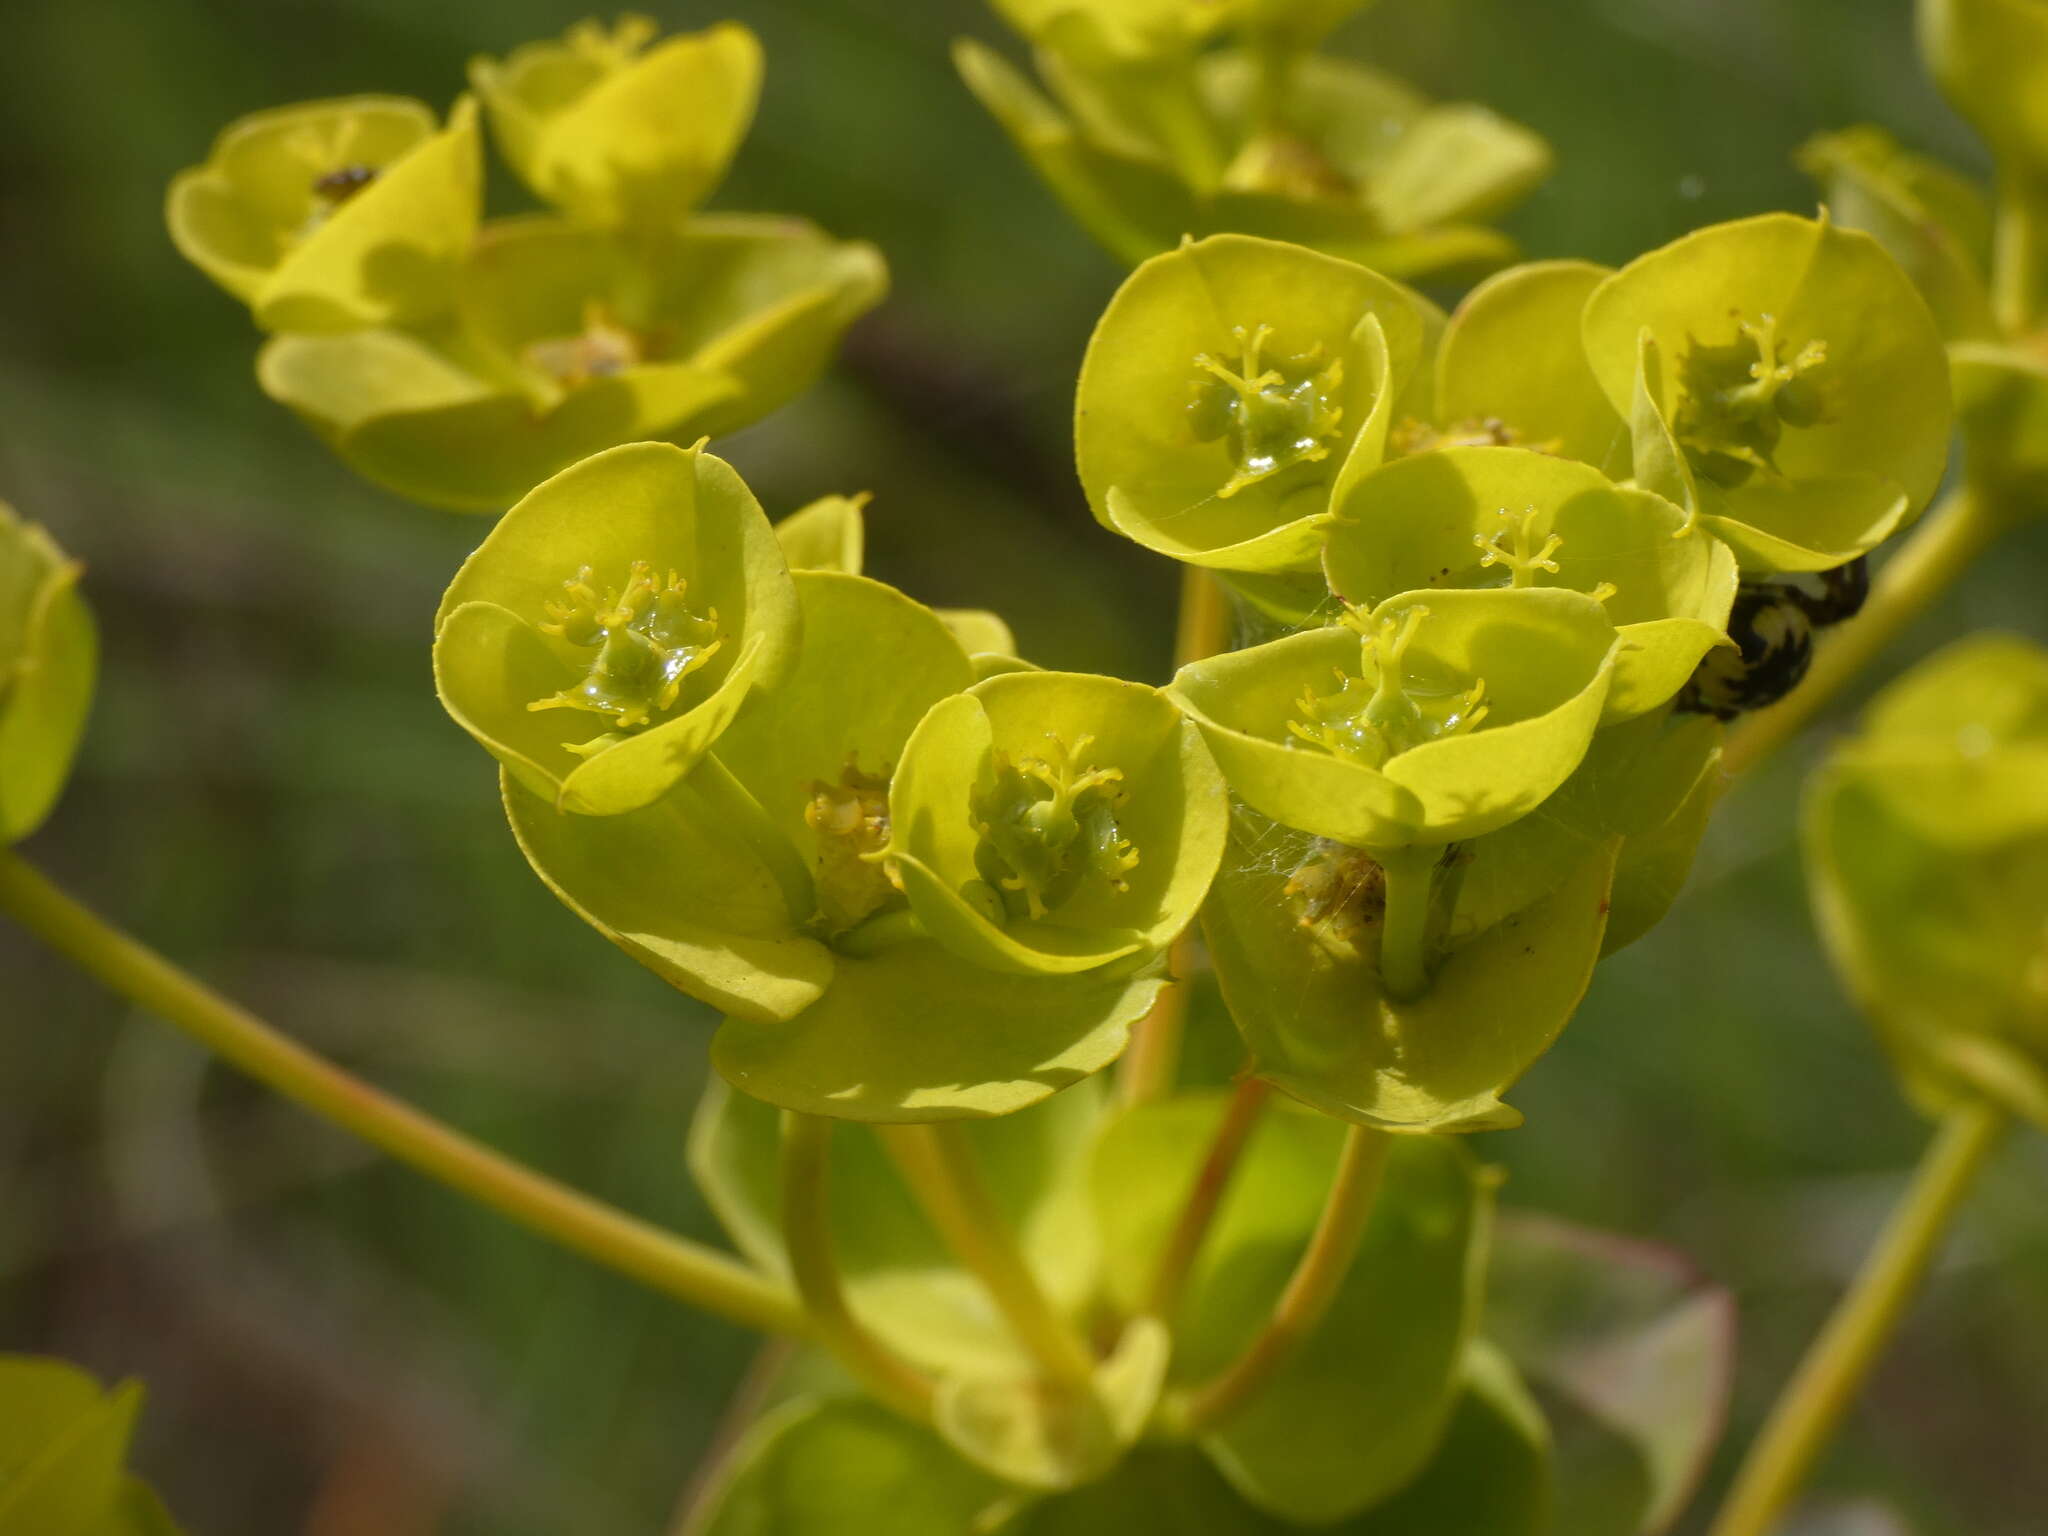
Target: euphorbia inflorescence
pixel 1737 397
pixel 1271 411
pixel 1384 711
pixel 645 641
pixel 1047 823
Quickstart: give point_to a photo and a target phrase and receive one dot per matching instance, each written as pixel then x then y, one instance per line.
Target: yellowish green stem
pixel 937 1163
pixel 1834 1369
pixel 1945 544
pixel 1404 928
pixel 688 1271
pixel 1313 1286
pixel 2019 256
pixel 1148 1068
pixel 807 1233
pixel 1205 1197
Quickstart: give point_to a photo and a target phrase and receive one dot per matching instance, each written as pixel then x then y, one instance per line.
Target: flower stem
pixel 1205 1197
pixel 1947 541
pixel 1149 1066
pixel 1404 929
pixel 2019 254
pixel 1834 1368
pixel 688 1271
pixel 937 1163
pixel 807 1232
pixel 1310 1289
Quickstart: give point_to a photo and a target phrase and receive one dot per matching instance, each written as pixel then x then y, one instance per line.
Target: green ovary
pixel 1384 711
pixel 1047 825
pixel 1271 412
pixel 1736 399
pixel 643 640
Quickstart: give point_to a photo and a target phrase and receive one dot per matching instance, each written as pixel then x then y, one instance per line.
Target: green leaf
pixel 647 551
pixel 1632 1337
pixel 333 215
pixel 617 133
pixel 1539 661
pixel 901 1280
pixel 1320 1026
pixel 1053 822
pixel 1844 434
pixel 1491 517
pixel 1511 354
pixel 62 1449
pixel 844 1468
pixel 825 535
pixel 1243 479
pixel 1323 1439
pixel 1488 1475
pixel 1491 1471
pixel 1932 221
pixel 49 656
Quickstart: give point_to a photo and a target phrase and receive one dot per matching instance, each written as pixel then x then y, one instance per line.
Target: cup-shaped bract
pixel 615 132
pixel 1513 518
pixel 570 340
pixel 1294 926
pixel 1147 147
pixel 1784 381
pixel 1511 370
pixel 1231 387
pixel 1927 849
pixel 1110 32
pixel 1052 823
pixel 1434 717
pixel 1990 57
pixel 1931 220
pixel 611 625
pixel 334 215
pixel 49 654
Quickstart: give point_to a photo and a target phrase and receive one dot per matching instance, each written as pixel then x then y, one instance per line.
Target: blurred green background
pixel 270 793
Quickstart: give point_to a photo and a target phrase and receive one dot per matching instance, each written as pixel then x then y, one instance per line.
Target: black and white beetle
pixel 1772 625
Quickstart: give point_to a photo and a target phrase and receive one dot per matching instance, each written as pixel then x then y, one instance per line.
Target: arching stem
pixel 1311 1289
pixel 688 1271
pixel 807 1233
pixel 1834 1369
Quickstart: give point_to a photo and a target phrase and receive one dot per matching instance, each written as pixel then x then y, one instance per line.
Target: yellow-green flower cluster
pixel 1169 118
pixel 459 361
pixel 922 878
pixel 1502 547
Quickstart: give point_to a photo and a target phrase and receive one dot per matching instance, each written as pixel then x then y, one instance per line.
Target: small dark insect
pixel 1774 646
pixel 339 186
pixel 1829 597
